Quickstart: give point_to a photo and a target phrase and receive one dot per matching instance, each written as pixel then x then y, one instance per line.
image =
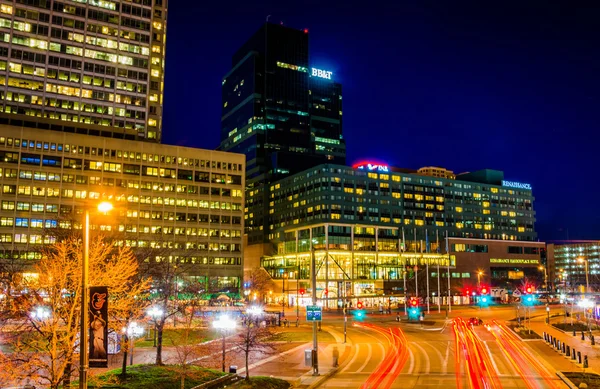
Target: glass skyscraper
pixel 284 115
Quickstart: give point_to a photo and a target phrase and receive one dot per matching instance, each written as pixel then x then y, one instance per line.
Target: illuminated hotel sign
pixel 321 73
pixel 372 167
pixel 518 185
pixel 516 261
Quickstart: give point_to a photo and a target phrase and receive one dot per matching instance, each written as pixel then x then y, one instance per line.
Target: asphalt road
pixel 448 354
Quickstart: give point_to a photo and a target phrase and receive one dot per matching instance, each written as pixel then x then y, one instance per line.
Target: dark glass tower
pixel 282 114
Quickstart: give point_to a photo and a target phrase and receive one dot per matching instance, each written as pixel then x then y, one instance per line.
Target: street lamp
pixel 587 277
pixel 41 313
pixel 103 207
pixel 224 324
pixel 543 268
pixel 155 313
pixel 132 331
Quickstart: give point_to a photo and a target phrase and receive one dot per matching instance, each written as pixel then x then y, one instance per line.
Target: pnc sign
pixel 518 185
pixel 321 73
pixel 372 167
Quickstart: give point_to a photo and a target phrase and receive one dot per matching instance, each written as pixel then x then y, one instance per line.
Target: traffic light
pixel 359 314
pixel 359 305
pixel 484 290
pixel 302 291
pixel 413 311
pixel 528 289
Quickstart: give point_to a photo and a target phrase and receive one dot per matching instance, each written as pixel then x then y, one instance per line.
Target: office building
pixel 372 221
pixel 283 114
pixel 91 67
pixel 434 171
pixel 574 263
pixel 188 202
pixel 376 194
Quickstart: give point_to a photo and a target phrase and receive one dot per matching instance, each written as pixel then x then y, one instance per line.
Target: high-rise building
pixel 91 67
pixel 187 202
pixel 283 114
pixel 574 264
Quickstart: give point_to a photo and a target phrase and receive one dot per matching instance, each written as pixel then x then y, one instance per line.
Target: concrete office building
pixel 188 201
pixel 387 220
pixel 87 66
pixel 571 260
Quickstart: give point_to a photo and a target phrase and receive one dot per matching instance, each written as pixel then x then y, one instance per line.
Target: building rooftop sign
pixel 517 185
pixel 372 167
pixel 326 74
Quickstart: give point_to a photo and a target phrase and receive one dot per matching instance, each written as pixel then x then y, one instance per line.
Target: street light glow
pixel 105 206
pixel 155 312
pixel 254 311
pixel 224 323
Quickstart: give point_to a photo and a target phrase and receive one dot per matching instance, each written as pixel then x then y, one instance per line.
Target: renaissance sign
pixel 514 261
pixel 518 185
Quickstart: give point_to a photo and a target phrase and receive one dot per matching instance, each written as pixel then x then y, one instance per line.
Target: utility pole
pixel 313 276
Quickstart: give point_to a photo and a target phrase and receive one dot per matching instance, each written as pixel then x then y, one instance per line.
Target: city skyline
pixel 461 76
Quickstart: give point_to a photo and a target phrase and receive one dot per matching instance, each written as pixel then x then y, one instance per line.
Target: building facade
pixel 86 66
pixel 500 264
pixel 187 202
pixel 425 208
pixel 375 227
pixel 284 115
pixel 574 263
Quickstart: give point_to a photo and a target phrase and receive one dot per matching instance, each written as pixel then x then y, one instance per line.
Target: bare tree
pixel 45 346
pixel 254 338
pixel 165 270
pixel 260 282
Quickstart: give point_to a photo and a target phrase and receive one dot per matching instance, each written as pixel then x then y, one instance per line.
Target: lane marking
pixel 438 353
pixel 447 356
pixel 427 360
pixel 367 360
pixel 412 360
pixel 356 352
pixel 492 358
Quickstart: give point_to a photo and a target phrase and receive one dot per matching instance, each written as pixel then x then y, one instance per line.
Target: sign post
pixel 314 313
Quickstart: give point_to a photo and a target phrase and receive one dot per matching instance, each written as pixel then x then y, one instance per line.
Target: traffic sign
pixel 314 313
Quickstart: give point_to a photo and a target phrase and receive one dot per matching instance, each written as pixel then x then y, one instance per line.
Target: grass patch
pixel 293 336
pixel 152 376
pixel 524 333
pixel 591 380
pixel 567 327
pixel 262 383
pixel 173 337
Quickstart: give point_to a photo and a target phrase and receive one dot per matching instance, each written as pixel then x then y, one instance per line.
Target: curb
pixel 567 381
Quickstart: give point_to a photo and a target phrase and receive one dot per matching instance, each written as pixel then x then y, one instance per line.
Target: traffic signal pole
pixel 313 276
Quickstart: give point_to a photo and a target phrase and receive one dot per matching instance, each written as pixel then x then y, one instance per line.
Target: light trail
pixel 394 360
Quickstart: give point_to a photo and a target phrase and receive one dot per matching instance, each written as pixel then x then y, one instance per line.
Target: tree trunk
pixel 125 347
pixel 67 378
pixel 182 381
pixel 159 341
pixel 247 372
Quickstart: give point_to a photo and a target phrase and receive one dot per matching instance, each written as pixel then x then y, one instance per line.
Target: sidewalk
pixel 326 368
pixel 583 346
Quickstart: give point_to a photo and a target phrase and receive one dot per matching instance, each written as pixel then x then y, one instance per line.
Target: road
pixel 448 354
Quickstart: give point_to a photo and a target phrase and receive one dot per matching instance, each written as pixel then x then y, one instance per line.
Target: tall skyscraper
pixel 284 115
pixel 84 66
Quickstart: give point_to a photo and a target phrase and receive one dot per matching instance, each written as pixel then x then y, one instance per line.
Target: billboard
pixel 98 331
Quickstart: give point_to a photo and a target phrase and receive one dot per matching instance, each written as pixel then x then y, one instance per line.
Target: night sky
pixel 463 85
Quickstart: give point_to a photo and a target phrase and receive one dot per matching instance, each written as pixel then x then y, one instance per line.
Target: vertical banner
pixel 98 319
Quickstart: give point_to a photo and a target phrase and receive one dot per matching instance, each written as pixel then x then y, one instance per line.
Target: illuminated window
pixel 155 73
pixel 156 49
pixel 152 122
pixel 157 25
pixel 6 9
pixel 458 209
pixel 521 229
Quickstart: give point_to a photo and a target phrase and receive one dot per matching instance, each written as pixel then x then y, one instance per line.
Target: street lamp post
pixel 479 274
pixel 543 268
pixel 155 313
pixel 587 277
pixel 313 276
pixel 83 330
pixel 223 324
